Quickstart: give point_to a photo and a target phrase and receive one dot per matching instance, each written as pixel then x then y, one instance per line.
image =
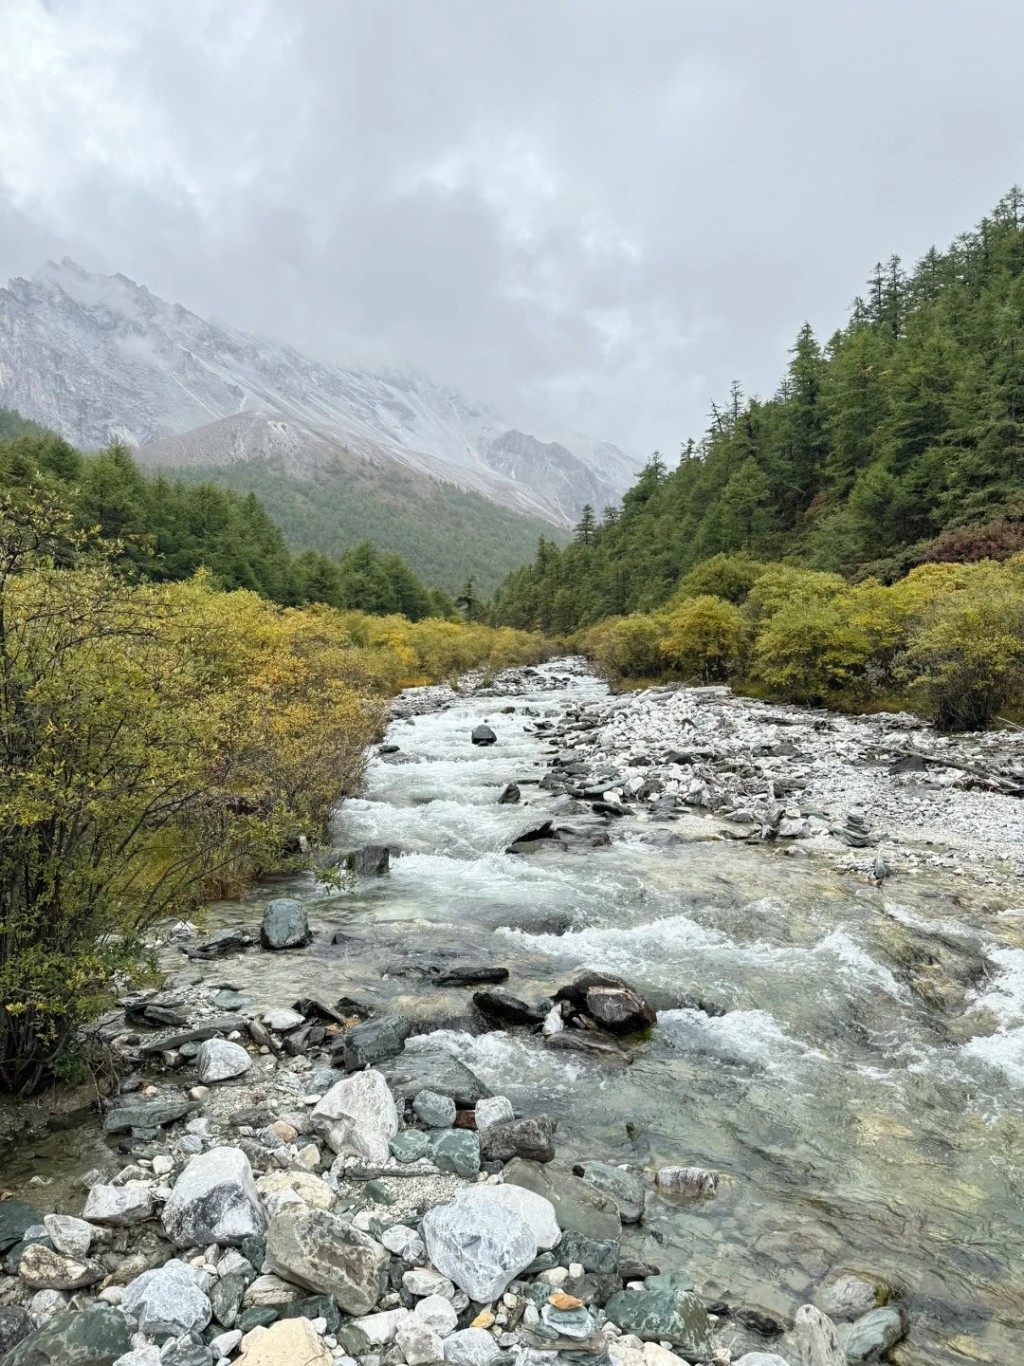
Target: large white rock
pixel 471 1347
pixel 818 1338
pixel 220 1060
pixel 120 1205
pixel 418 1342
pixel 381 1328
pixel 327 1255
pixel 538 1212
pixel 166 1302
pixel 69 1235
pixel 437 1313
pixel 762 1359
pixel 44 1269
pixel 214 1200
pixel 493 1110
pixel 359 1113
pixel 480 1245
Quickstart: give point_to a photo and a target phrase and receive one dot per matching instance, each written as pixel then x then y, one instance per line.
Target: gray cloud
pixel 592 214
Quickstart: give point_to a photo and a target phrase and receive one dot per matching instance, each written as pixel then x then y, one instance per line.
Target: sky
pixel 591 214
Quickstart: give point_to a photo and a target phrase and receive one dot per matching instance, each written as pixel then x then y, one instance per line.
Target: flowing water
pixel 860 1122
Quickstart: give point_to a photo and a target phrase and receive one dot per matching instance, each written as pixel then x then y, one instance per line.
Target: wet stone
pixel 871 1336
pixel 374 1041
pixel 285 924
pixel 625 1188
pixel 532 1139
pixel 73 1338
pixel 15 1217
pixel 663 1313
pixel 434 1110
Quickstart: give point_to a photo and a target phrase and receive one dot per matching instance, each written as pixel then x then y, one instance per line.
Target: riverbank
pixel 835 1054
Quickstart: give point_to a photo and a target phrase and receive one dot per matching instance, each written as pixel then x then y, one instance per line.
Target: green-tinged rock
pixel 434 1110
pixel 94 1337
pixel 671 1282
pixel 374 1041
pixel 259 1316
pixel 544 1262
pixel 624 1187
pixel 315 1307
pixel 378 1193
pixel 663 1314
pixel 15 1217
pixel 254 1249
pixel 353 1340
pixel 456 1150
pixel 871 1337
pixel 15 1324
pixel 227 999
pixel 226 1298
pixel 146 1114
pixel 285 924
pixel 579 1208
pixel 409 1145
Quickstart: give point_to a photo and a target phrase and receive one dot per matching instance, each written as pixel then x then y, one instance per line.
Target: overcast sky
pixel 590 213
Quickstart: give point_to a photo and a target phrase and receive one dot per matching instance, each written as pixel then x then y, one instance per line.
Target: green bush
pixel 625 647
pixel 783 585
pixel 723 576
pixel 810 648
pixel 704 638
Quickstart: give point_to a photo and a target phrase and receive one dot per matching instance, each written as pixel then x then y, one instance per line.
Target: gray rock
pixel 325 1254
pixel 410 1145
pixel 761 1359
pixel 185 1351
pixel 221 944
pixel 69 1235
pixel 140 1356
pixel 359 1114
pixel 664 1313
pixel 693 1182
pixel 434 1070
pixel 483 735
pixel 817 1338
pixel 438 1312
pixel 531 1138
pixel 166 1302
pixel 373 860
pixel 578 1207
pixel 471 1347
pixel 510 795
pixel 226 1297
pixel 220 1060
pixel 871 1336
pixel 214 1201
pixel 15 1217
pixel 146 1114
pixel 418 1342
pixel 43 1268
pixel 121 1206
pixel 283 1019
pixel 848 1297
pixel 481 1247
pixel 434 1110
pixel 15 1324
pixel 624 1187
pixel 285 924
pixel 456 1150
pixel 374 1041
pixel 538 1213
pixel 599 1255
pixel 493 1110
pixel 96 1338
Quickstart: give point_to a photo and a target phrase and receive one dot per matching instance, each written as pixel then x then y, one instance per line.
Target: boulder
pixel 578 1207
pixel 282 1019
pixel 374 1041
pixel 69 1235
pixel 693 1182
pixel 501 1007
pixel 492 1110
pixel 438 1313
pixel 510 795
pixel 289 1342
pixel 359 1114
pixel 537 1212
pixel 220 1060
pixel 43 1268
pixel 531 1138
pixel 872 1335
pixel 472 976
pixel 15 1323
pixel 614 1004
pixel 848 1297
pixel 214 1201
pixel 483 735
pixel 121 1206
pixel 623 1186
pixel 285 924
pixel 96 1338
pixel 310 1189
pixel 456 1150
pixel 327 1255
pixel 435 1070
pixel 471 1347
pixel 418 1342
pixel 434 1110
pixel 664 1313
pixel 482 1247
pixel 166 1302
pixel 373 860
pixel 221 944
pixel 597 1255
pixel 817 1338
pixel 409 1146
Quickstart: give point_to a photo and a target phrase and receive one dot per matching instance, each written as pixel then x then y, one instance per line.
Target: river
pixel 856 1125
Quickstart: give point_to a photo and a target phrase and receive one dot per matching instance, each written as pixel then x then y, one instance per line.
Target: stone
pixel 259 1316
pixel 409 1146
pixel 226 1296
pixel 619 1009
pixel 327 1255
pixel 146 1114
pixel 437 1312
pixel 43 1268
pixel 501 1007
pixel 481 1247
pixel 404 1242
pixel 848 1297
pixel 282 1019
pixel 418 1342
pixel 73 1338
pixel 434 1070
pixel 471 1347
pixel 578 1207
pixel 288 1342
pixel 270 1292
pixel 230 999
pixel 597 1255
pixel 185 1351
pixel 374 1041
pixel 817 1338
pixel 221 1060
pixel 45 1303
pixel 166 1302
pixel 306 1185
pixel 761 1359
pixel 872 1335
pixel 434 1110
pixel 359 1114
pixel 426 1281
pixel 538 1212
pixel 378 1329
pixel 214 1200
pixel 15 1323
pixel 693 1182
pixel 15 1218
pixel 69 1235
pixel 141 1356
pixel 456 1150
pixel 493 1110
pixel 573 1322
pixel 121 1206
pixel 224 1344
pixel 483 735
pixel 221 944
pixel 624 1187
pixel 468 976
pixel 372 860
pixel 285 924
pixel 510 794
pixel 666 1313
pixel 531 1138
pixel 314 1307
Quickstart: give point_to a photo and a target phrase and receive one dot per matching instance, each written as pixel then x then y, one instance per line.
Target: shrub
pixel 625 647
pixel 704 638
pixel 723 576
pixel 782 585
pixel 810 648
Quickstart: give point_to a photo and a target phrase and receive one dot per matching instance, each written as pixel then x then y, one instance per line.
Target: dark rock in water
pixel 15 1217
pixel 472 977
pixel 531 1138
pixel 229 999
pixel 75 1338
pixel 603 808
pixel 599 1256
pixel 505 1008
pixel 209 1030
pixel 145 1114
pixel 523 843
pixel 870 1337
pixel 675 1315
pixel 373 1041
pixel 434 1071
pixel 910 763
pixel 285 924
pixel 387 749
pixel 510 795
pixel 583 1041
pixel 759 1323
pixel 578 1207
pixel 221 944
pixel 624 1187
pixel 373 860
pixel 154 1016
pixel 15 1324
pixel 613 1003
pixel 483 735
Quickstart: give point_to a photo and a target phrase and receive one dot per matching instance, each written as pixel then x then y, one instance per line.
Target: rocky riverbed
pixel 661 1027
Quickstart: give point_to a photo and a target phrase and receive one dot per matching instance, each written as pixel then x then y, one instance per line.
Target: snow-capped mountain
pixel 99 358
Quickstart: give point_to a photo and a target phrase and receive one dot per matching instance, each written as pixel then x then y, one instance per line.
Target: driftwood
pixel 917 759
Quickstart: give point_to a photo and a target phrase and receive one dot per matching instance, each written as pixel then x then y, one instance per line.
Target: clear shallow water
pixel 862 1094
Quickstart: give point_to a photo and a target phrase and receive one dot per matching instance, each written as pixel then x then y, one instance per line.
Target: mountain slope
pixel 100 358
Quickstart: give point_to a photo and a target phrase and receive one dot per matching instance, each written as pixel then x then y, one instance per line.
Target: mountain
pixel 100 358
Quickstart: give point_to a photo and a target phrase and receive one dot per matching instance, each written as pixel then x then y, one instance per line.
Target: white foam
pixel 752 1036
